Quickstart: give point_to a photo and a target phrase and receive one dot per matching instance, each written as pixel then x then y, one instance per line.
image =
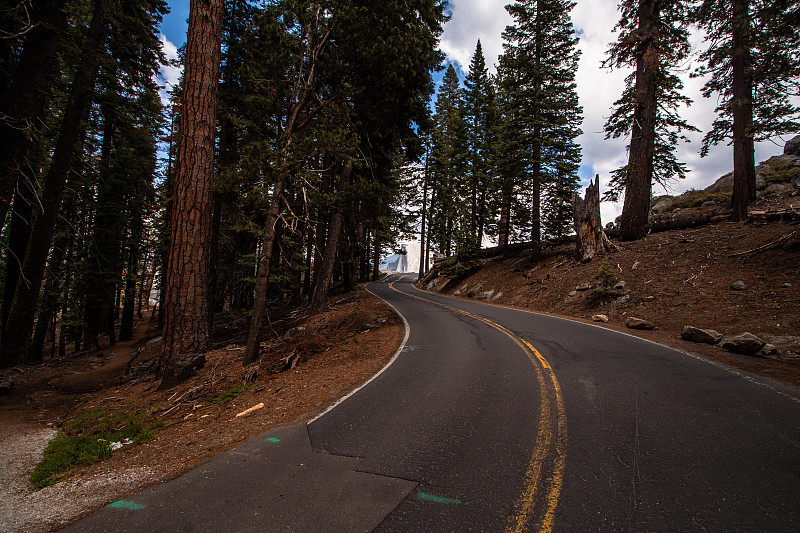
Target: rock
pixel 497 296
pixel 746 344
pixel 619 286
pixel 768 349
pixel 473 292
pixel 6 387
pixel 648 298
pixel 456 292
pixel 774 188
pixel 583 287
pixel 786 285
pixel 181 368
pixel 709 203
pixel 705 336
pixel 623 299
pixel 738 285
pixel 573 294
pixel 484 295
pixel 791 246
pixel 600 318
pixel 796 182
pixel 294 331
pixel 760 182
pixel 638 323
pixel 792 146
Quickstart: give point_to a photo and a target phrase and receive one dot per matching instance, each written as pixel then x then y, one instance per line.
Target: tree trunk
pixel 25 102
pixel 49 307
pixel 262 277
pixel 423 259
pixel 591 239
pixel 504 225
pixel 744 174
pixel 185 308
pixel 640 161
pixel 18 329
pixel 19 233
pixel 376 259
pixel 323 285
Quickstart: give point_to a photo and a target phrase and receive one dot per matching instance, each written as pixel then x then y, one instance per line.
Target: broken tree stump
pixel 591 239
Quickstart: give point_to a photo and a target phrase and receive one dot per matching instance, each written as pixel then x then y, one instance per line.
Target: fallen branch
pixel 764 247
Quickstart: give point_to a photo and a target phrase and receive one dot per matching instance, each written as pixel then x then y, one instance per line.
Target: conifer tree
pixel 449 161
pixel 668 44
pixel 537 76
pixel 186 327
pixel 480 110
pixel 754 69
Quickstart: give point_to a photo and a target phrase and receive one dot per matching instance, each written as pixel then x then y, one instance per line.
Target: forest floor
pixel 301 372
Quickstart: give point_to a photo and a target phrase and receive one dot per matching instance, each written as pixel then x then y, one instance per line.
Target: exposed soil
pixel 336 352
pixel 672 279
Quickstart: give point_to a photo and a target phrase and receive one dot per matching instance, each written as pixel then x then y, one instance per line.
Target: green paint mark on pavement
pixel 273 439
pixel 125 504
pixel 424 496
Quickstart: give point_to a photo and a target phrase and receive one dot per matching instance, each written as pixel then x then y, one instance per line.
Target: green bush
pixel 604 281
pixel 86 439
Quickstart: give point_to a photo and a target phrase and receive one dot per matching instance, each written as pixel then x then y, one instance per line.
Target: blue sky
pixel 597 88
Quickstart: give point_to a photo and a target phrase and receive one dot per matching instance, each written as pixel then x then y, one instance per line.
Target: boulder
pixel 484 295
pixel 738 285
pixel 294 331
pixel 180 368
pixel 774 188
pixel 583 287
pixel 745 344
pixel 705 336
pixel 619 286
pixel 791 246
pixel 638 323
pixel 5 387
pixel 600 318
pixel 768 349
pixel 792 146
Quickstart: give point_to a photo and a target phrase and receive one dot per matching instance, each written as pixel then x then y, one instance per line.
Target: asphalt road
pixel 493 419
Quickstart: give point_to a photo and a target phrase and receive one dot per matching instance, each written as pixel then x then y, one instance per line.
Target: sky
pixel 598 88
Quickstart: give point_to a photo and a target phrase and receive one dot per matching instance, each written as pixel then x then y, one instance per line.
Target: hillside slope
pixel 676 278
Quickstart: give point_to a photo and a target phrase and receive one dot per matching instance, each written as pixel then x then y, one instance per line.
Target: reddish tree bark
pixel 744 174
pixel 186 324
pixel 643 134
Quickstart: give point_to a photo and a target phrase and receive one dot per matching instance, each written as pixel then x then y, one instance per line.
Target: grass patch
pixel 229 394
pixel 86 439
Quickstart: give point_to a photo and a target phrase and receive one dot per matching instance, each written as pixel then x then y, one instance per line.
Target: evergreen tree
pixel 537 77
pixel 480 111
pixel 186 327
pixel 672 48
pixel 754 68
pixel 449 154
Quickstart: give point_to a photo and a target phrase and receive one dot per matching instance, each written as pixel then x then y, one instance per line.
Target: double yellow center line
pixel 535 508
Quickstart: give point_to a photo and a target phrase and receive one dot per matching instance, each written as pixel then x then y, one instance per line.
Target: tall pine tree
pixel 664 41
pixel 754 68
pixel 537 76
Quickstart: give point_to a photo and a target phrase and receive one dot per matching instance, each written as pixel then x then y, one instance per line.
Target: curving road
pixel 494 419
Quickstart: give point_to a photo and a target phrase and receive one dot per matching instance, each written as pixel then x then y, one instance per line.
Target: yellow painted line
pixel 534 477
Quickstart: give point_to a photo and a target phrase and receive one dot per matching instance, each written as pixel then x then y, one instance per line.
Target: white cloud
pixel 472 20
pixel 169 74
pixel 598 88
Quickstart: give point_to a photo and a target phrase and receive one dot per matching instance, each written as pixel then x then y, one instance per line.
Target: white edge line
pixel 407 329
pixel 761 380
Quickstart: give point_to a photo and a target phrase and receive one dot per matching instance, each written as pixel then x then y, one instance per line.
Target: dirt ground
pixel 672 279
pixel 336 352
